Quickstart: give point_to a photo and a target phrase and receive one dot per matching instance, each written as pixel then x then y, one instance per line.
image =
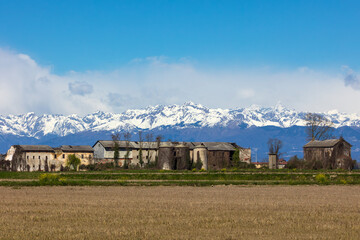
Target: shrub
pixel 51 179
pixel 198 164
pixel 321 178
pixel 223 170
pixel 83 167
pixel 91 167
pixel 133 166
pixel 295 163
pixel 343 181
pixel 194 170
pixel 242 165
pixel 150 165
pixel 202 170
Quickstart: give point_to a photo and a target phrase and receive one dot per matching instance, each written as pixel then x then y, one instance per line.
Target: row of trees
pixel 148 138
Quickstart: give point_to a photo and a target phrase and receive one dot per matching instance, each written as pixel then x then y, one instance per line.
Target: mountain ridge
pixel 187 115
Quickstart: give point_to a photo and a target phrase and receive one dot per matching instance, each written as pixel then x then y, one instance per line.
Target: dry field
pixel 220 212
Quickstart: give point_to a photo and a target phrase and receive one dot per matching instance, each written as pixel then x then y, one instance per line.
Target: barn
pixel 328 154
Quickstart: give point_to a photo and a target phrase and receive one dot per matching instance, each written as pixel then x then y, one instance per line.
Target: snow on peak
pixel 187 115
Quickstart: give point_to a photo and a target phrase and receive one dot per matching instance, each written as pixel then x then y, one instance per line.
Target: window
pixel 33 157
pixel 39 157
pixel 82 155
pixel 63 155
pixel 27 157
pixel 46 158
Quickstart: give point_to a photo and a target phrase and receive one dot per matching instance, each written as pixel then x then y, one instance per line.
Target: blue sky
pixel 117 42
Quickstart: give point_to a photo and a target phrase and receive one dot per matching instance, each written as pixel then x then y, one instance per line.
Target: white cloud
pixel 27 86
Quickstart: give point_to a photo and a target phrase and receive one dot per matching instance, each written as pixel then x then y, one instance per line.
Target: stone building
pixel 330 154
pixel 4 164
pixel 84 152
pixel 213 155
pixel 45 158
pixel 30 157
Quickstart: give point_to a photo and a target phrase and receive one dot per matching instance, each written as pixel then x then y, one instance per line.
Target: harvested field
pixel 220 212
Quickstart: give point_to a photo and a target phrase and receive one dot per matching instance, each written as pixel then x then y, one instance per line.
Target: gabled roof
pixel 324 144
pixel 81 148
pixel 219 146
pixel 212 146
pixel 122 144
pixel 36 148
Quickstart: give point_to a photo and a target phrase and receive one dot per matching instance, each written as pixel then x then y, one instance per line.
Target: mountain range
pixel 248 127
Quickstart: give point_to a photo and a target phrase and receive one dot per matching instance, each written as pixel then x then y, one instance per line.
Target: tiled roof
pixel 36 148
pixel 212 146
pixel 82 148
pixel 322 144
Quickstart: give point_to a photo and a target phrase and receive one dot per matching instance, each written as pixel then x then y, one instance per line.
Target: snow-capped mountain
pixel 188 115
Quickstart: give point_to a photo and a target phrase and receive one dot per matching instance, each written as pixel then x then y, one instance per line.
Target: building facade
pixel 213 155
pixel 330 154
pixel 45 158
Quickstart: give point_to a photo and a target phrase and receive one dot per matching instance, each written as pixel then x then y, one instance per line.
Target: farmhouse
pixel 45 158
pixel 330 154
pixel 30 157
pixel 85 153
pixel 172 155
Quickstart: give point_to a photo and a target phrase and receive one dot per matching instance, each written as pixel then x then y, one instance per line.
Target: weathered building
pixel 30 157
pixel 330 154
pixel 45 158
pixel 172 155
pixel 84 152
pixel 273 161
pixel 4 164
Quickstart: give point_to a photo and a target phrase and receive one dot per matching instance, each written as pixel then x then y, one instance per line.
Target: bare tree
pixel 141 140
pixel 158 142
pixel 318 127
pixel 127 137
pixel 149 138
pixel 275 145
pixel 116 138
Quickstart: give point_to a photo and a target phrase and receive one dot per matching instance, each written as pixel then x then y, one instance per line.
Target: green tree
pixel 198 164
pixel 149 137
pixel 141 161
pixel 116 138
pixel 127 137
pixel 236 157
pixel 295 162
pixel 116 153
pixel 73 161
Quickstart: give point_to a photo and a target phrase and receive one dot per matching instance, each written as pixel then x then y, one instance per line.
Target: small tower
pixel 200 152
pixel 182 157
pixel 272 161
pixel 166 157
